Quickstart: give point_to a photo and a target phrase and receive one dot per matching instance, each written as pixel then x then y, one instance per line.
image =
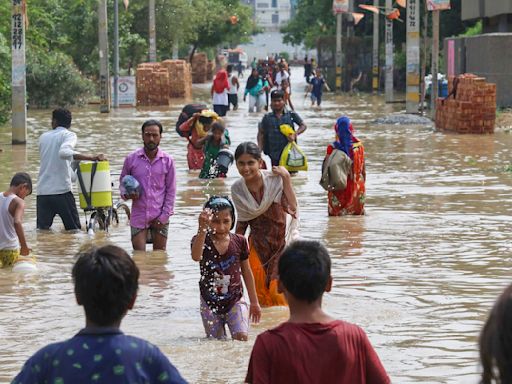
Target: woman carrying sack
pixel 348 201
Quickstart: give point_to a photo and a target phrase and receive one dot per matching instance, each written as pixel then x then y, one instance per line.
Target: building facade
pixel 271 15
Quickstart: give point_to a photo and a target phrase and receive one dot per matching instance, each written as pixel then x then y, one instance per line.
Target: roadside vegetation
pixel 62 42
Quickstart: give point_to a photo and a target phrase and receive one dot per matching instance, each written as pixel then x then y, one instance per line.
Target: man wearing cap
pixel 270 139
pixel 154 205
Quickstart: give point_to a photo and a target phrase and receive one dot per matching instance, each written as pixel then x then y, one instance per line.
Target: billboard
pixel 339 6
pixel 438 5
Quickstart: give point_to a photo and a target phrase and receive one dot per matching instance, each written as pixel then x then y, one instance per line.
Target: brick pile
pixel 158 82
pixel 152 84
pixel 180 78
pixel 472 111
pixel 199 67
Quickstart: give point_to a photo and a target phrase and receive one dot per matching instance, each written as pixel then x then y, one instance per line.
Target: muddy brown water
pixel 419 272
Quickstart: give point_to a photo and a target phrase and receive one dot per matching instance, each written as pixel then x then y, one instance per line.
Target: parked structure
pixel 471 54
pixel 496 15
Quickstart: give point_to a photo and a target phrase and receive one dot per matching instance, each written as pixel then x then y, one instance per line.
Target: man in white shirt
pixel 57 150
pixel 234 85
pixel 282 75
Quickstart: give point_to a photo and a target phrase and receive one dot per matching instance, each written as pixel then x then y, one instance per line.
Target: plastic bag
pixel 293 159
pixel 131 185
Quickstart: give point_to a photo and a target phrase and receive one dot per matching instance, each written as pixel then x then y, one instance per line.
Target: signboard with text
pixel 126 89
pixel 438 5
pixel 339 6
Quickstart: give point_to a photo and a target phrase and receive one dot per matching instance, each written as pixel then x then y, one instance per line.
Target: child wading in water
pixel 216 139
pixel 13 246
pixel 285 86
pixel 223 257
pixel 263 199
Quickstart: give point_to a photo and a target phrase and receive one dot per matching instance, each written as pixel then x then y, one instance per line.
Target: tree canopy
pixel 314 19
pixel 69 31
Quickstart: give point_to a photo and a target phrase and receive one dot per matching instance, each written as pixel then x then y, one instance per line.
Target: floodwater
pixel 419 272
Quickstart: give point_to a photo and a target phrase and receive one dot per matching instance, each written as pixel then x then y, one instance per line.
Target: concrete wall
pixel 476 9
pixel 489 56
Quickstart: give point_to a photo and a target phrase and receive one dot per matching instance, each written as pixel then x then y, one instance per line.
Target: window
pixel 275 19
pixel 262 5
pixel 274 3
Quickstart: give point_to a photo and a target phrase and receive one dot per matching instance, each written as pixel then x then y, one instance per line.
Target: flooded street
pixel 419 272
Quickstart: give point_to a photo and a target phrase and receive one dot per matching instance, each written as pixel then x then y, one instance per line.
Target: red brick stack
pixel 180 78
pixel 158 82
pixel 472 111
pixel 199 67
pixel 152 84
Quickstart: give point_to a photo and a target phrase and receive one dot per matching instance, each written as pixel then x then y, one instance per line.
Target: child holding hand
pixel 223 258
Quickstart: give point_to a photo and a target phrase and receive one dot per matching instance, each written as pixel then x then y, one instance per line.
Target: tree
pixel 214 25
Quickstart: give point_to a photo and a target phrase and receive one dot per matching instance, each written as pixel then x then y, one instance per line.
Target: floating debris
pixel 403 119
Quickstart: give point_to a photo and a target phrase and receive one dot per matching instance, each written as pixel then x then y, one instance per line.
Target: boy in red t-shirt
pixel 312 347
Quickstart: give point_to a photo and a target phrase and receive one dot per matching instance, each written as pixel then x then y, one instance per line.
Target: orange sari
pixel 350 201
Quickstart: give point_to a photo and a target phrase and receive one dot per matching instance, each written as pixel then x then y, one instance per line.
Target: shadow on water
pixel 419 272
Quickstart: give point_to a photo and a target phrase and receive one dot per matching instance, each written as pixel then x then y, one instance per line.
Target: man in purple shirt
pixel 155 171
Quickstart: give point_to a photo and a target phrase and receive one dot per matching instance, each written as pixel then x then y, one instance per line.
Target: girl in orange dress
pixel 349 201
pixel 263 199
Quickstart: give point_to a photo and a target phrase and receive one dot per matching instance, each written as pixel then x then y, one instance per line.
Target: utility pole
pixel 413 56
pixel 116 54
pixel 18 82
pixel 424 57
pixel 339 53
pixel 389 93
pixel 175 50
pixel 435 60
pixel 350 19
pixel 152 32
pixel 103 51
pixel 375 59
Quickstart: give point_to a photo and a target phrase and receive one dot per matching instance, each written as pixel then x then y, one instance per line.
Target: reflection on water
pixel 418 272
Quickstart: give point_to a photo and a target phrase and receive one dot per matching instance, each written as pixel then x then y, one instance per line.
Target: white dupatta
pixel 247 208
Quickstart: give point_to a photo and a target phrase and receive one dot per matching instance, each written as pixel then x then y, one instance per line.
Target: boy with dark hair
pixel 106 282
pixel 312 347
pixel 12 206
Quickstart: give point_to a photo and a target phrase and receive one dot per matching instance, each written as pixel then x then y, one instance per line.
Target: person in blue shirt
pixel 316 87
pixel 270 139
pixel 106 283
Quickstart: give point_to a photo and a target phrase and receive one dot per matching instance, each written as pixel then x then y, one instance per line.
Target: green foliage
pixel 5 78
pixel 474 30
pixel 211 20
pixel 285 55
pixel 62 41
pixel 54 80
pixel 313 19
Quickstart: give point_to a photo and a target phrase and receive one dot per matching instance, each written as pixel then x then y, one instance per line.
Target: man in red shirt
pixel 312 347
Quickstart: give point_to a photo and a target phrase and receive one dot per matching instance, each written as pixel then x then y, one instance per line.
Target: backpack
pixel 335 170
pixel 187 111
